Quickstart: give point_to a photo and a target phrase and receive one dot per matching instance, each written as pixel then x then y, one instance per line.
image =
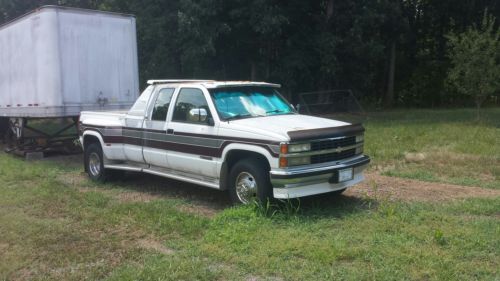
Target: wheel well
pixel 234 156
pixel 88 140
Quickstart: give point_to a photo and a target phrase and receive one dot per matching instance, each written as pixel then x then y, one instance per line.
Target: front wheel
pixel 249 182
pixel 94 162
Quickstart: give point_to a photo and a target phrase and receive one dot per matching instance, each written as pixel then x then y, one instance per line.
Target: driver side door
pixel 196 147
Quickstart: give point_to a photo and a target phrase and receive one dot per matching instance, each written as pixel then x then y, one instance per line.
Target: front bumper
pixel 298 182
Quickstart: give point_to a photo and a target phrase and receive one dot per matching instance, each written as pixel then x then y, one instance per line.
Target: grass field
pixel 57 225
pixel 437 145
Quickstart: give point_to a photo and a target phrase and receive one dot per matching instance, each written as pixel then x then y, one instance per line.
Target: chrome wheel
pixel 94 164
pixel 246 187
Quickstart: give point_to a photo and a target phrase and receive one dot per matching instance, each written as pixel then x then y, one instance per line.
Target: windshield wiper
pixel 237 116
pixel 274 111
pixel 280 111
pixel 240 116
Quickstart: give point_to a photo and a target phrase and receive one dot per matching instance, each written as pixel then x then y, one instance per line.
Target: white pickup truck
pixel 238 136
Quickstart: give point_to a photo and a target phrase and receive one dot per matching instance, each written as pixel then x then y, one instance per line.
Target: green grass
pixel 456 148
pixel 57 225
pixel 52 230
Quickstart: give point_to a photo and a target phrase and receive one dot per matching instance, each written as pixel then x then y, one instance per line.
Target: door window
pixel 162 104
pixel 191 107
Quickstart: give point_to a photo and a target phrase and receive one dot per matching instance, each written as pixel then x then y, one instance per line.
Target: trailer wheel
pixel 94 163
pixel 249 182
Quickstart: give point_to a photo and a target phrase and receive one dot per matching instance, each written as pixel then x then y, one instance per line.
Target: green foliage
pixel 304 45
pixel 475 58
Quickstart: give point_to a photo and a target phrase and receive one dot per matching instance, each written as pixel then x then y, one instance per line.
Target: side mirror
pixel 297 107
pixel 198 115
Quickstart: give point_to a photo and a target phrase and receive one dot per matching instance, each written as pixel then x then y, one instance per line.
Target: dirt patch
pixel 154 245
pixel 132 196
pixel 200 210
pixel 72 179
pixel 377 186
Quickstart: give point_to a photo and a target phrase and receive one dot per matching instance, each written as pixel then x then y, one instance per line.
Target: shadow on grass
pixel 326 205
pixel 169 188
pixel 317 207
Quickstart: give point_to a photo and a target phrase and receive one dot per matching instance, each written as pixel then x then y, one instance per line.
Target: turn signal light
pixel 284 148
pixel 283 162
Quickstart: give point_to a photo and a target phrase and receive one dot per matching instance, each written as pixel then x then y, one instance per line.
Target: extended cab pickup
pixel 240 136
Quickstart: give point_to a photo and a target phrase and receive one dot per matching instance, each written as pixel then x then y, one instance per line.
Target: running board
pixel 167 173
pixel 184 177
pixel 123 167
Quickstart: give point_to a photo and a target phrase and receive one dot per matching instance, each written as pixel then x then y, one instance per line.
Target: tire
pixel 252 174
pixel 94 163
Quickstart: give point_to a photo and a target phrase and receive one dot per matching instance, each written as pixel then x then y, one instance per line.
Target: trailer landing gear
pixel 33 138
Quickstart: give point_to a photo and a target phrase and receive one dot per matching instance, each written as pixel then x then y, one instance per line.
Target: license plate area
pixel 342 175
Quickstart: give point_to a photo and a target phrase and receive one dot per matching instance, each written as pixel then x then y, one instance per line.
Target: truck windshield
pixel 247 102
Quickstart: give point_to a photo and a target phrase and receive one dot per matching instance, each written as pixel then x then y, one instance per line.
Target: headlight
pixel 292 148
pixel 297 161
pixel 294 161
pixel 359 138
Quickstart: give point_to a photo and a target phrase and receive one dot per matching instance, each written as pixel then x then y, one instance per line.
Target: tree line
pixel 389 52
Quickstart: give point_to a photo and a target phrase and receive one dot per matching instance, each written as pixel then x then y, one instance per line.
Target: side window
pixel 162 103
pixel 187 100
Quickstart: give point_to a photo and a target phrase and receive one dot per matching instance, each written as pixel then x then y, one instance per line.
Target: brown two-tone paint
pixel 176 146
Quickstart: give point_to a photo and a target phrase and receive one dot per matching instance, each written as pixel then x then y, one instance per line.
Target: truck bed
pixel 103 118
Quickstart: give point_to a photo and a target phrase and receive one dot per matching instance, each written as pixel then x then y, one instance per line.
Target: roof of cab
pixel 214 84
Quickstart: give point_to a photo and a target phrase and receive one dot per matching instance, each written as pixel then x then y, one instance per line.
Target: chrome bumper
pixel 303 181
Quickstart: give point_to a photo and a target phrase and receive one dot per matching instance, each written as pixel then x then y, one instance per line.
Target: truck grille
pixel 329 144
pixel 322 158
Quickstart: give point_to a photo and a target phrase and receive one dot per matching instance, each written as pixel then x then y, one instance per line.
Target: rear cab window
pixel 162 104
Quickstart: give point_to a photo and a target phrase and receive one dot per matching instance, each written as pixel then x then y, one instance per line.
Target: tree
pixel 475 58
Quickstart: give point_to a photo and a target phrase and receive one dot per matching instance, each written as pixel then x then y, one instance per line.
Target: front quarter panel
pixel 266 151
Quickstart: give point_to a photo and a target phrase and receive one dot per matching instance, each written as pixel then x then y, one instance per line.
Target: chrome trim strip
pixel 326 151
pixel 308 169
pixel 315 140
pixel 323 139
pixel 123 167
pixel 294 191
pixel 182 178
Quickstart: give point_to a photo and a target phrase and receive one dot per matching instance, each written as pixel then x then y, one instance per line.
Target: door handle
pixel 170 131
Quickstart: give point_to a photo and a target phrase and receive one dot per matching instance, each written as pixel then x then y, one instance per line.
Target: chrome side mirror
pixel 198 115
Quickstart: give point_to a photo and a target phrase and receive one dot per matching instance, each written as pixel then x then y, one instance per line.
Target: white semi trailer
pixel 57 61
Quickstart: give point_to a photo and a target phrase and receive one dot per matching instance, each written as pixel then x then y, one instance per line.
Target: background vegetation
pixel 388 51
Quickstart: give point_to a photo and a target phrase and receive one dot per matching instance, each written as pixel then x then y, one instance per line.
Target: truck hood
pixel 276 127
